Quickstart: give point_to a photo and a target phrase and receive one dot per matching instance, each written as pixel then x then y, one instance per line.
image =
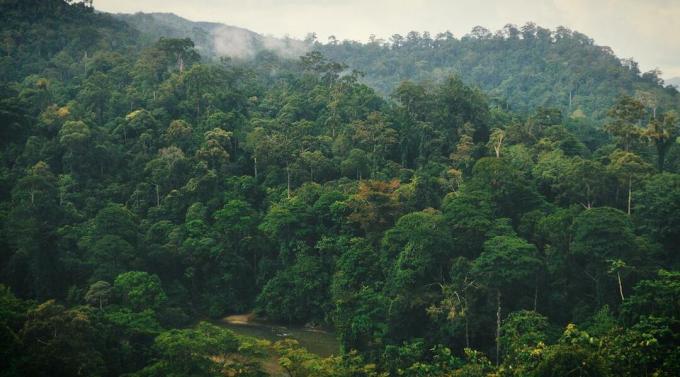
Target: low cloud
pixel 243 44
pixel 234 42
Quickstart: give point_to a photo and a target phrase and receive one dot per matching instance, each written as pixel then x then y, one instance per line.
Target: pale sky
pixel 647 30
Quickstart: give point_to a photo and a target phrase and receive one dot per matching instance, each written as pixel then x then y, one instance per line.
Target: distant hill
pixel 675 81
pixel 51 33
pixel 522 68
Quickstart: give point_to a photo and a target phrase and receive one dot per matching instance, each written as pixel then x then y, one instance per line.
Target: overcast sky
pixel 647 30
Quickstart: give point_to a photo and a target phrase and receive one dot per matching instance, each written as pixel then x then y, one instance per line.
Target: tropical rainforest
pixel 500 204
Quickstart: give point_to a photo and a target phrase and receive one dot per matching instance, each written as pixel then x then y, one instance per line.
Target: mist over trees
pixel 520 67
pixel 503 204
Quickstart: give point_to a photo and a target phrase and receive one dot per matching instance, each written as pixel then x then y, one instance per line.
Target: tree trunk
pixel 630 192
pixel 288 174
pixel 158 197
pixel 255 159
pixel 374 162
pixel 618 276
pixel 467 332
pixel 498 326
pixel 570 100
pixel 536 294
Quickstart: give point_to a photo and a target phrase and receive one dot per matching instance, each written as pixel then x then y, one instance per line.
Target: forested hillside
pixel 520 68
pixel 472 225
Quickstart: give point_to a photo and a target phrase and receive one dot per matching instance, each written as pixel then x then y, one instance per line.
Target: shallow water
pixel 322 343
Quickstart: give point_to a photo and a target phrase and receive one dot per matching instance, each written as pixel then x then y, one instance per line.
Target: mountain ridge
pixel 675 81
pixel 523 68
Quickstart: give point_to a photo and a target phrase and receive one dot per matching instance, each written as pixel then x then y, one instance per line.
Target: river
pixel 321 342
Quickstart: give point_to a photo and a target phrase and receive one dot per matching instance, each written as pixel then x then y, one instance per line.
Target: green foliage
pixel 191 352
pixel 601 235
pixel 62 342
pixel 99 294
pixel 522 67
pixel 656 203
pixel 571 361
pixel 470 215
pixel 297 294
pixel 140 291
pixel 457 215
pixel 12 316
pixel 506 261
pixel 523 338
pixel 510 192
pixel 655 297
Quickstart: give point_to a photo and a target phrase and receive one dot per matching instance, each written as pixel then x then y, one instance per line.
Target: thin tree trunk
pixel 570 100
pixel 498 326
pixel 255 267
pixel 288 174
pixel 536 294
pixel 158 197
pixel 630 192
pixel 618 276
pixel 467 332
pixel 255 159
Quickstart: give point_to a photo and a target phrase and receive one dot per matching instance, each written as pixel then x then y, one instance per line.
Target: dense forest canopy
pixel 501 204
pixel 520 67
pixel 525 67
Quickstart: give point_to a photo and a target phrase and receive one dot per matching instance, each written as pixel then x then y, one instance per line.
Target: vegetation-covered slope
pixel 143 188
pixel 522 68
pixel 526 67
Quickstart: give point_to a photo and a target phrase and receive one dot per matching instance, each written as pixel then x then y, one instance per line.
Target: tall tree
pixel 507 262
pixel 625 125
pixel 663 133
